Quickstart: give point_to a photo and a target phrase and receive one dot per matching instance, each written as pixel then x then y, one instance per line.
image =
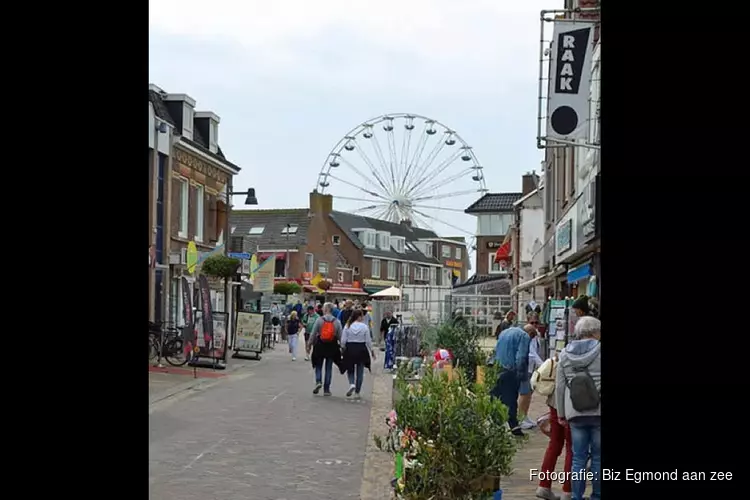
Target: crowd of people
pixel 335 333
pixel 570 380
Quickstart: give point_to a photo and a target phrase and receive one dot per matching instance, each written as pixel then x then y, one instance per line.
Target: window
pixel 445 251
pixel 405 278
pixel 391 270
pixel 422 273
pixel 495 268
pixel 384 240
pixel 256 230
pixel 323 268
pixel 446 277
pixel 398 244
pixel 336 239
pixel 309 263
pixel 458 253
pixel 340 276
pixel 184 207
pixel 375 268
pixel 200 216
pixel 433 275
pixel 494 224
pixel 366 237
pixel 289 229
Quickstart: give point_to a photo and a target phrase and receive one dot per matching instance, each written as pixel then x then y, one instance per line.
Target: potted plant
pixel 449 439
pixel 286 288
pixel 220 266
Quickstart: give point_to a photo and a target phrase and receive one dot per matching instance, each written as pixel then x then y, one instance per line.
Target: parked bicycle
pixel 173 347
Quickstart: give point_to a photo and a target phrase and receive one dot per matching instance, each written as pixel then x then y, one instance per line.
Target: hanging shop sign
pixel 263 276
pixel 579 273
pixel 570 71
pixel 494 245
pixel 454 263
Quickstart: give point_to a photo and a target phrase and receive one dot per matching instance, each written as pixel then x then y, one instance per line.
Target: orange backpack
pixel 328 331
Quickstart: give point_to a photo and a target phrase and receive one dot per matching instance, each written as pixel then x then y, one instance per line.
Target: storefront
pixel 374 286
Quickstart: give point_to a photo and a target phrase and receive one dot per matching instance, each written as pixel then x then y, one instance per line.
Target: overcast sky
pixel 289 78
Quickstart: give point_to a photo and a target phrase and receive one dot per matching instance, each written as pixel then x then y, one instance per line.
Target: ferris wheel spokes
pixel 421 170
pixel 383 163
pixel 445 195
pixel 371 193
pixel 384 190
pixel 442 182
pixel 438 170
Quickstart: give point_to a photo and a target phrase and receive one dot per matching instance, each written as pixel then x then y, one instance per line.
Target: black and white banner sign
pixel 570 80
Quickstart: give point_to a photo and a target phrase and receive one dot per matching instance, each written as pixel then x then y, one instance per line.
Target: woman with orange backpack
pixel 326 348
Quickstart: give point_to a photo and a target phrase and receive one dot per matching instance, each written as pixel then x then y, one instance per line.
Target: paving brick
pixel 261 437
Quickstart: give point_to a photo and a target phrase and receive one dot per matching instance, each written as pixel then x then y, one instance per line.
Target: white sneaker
pixel 294 358
pixel 546 494
pixel 352 387
pixel 527 424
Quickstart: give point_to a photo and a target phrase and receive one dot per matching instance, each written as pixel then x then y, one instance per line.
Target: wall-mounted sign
pixel 564 237
pixel 372 282
pixel 453 263
pixel 494 245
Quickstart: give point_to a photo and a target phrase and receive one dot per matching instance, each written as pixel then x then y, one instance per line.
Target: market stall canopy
pixel 388 292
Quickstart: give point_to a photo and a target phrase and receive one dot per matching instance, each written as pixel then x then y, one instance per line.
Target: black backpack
pixel 582 389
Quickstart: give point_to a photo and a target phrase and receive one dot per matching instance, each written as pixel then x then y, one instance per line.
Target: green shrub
pixel 453 437
pixel 220 266
pixel 286 288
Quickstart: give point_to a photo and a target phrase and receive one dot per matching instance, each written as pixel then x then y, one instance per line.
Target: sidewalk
pixel 166 381
pixel 519 486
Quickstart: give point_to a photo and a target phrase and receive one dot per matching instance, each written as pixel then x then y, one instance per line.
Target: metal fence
pixel 483 311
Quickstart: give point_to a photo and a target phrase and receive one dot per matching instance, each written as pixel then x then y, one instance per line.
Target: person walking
pixel 512 355
pixel 559 435
pixel 356 343
pixel 509 321
pixel 535 361
pixel 578 386
pixel 326 349
pixel 387 330
pixel 275 313
pixel 293 325
pixel 308 321
pixel 346 312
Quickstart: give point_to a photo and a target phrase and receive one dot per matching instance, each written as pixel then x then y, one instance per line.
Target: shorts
pixel 275 321
pixel 525 386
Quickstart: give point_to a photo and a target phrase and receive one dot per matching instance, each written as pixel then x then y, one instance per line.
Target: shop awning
pixel 538 281
pixel 345 290
pixel 266 255
pixel 370 289
pixel 503 252
pixel 579 273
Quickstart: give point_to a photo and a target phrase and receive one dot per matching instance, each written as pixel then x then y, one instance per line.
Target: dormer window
pixel 398 244
pixel 187 121
pixel 290 229
pixel 367 237
pixel 384 240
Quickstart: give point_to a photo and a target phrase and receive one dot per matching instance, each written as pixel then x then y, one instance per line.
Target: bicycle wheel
pixel 153 348
pixel 174 353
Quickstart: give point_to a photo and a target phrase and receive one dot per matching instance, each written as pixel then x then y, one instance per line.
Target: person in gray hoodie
pixel 357 345
pixel 577 396
pixel 326 348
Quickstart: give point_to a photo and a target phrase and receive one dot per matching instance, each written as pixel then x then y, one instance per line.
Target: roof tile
pixel 494 202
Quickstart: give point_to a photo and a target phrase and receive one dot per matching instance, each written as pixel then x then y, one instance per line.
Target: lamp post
pixel 250 199
pixel 286 262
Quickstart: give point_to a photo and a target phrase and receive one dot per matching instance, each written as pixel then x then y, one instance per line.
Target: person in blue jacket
pixel 512 355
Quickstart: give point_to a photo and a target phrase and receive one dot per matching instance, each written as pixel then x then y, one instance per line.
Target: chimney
pixel 207 124
pixel 321 203
pixel 181 107
pixel 529 183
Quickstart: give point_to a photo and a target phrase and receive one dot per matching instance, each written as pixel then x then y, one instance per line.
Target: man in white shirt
pixel 535 361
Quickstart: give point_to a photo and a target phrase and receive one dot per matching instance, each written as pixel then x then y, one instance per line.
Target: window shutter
pixel 192 210
pixel 174 209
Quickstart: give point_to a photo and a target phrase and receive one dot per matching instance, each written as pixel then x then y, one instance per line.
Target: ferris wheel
pixel 404 166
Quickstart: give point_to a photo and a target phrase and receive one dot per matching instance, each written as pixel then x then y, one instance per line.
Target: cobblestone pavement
pixel 519 486
pixel 260 433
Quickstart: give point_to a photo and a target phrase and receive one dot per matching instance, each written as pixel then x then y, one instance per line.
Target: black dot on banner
pixel 564 120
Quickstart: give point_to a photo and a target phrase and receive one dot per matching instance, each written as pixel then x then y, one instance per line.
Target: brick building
pixel 194 185
pixel 358 255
